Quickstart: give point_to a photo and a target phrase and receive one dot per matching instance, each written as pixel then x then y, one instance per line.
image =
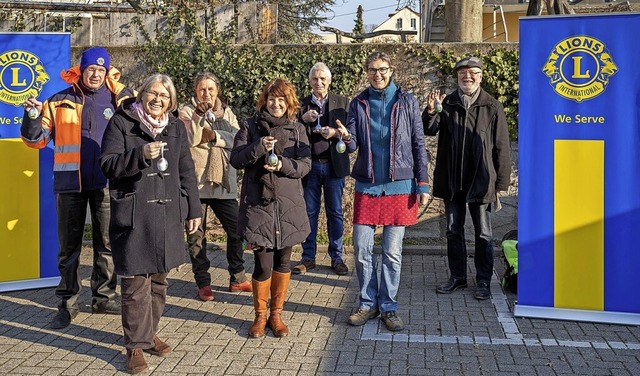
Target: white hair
pixel 320 66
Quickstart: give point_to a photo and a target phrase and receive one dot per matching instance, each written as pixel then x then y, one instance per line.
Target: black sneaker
pixel 340 268
pixel 392 321
pixel 451 286
pixel 61 320
pixel 303 266
pixel 482 291
pixel 111 307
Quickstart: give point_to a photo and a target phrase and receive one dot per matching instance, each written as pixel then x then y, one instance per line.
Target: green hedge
pixel 181 51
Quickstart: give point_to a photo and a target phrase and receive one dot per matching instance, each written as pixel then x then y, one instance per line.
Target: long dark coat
pixel 489 159
pixel 281 222
pixel 148 207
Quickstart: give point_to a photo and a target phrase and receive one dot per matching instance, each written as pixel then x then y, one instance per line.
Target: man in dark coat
pixel 473 164
pixel 321 113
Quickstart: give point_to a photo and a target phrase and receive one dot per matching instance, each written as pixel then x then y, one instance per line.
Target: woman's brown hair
pixel 280 87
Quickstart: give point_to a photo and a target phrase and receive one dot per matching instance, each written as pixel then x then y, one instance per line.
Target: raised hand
pixel 433 97
pixel 201 108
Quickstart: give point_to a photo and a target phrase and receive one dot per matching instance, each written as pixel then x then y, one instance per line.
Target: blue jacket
pixel 408 152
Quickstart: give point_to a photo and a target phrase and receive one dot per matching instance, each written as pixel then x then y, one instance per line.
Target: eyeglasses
pixel 381 70
pixel 464 72
pixel 161 96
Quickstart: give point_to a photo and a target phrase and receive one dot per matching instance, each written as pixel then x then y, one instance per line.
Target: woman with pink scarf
pixel 154 197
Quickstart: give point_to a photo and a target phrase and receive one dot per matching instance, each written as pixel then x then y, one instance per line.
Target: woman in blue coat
pixel 391 181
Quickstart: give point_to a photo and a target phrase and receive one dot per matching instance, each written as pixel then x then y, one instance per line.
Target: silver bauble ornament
pixel 33 113
pixel 272 160
pixel 163 164
pixel 210 117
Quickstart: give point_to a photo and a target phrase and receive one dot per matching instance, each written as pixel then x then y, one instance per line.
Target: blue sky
pixel 375 12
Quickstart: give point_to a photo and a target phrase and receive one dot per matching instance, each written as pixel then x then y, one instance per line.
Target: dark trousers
pixel 226 210
pixel 72 212
pixel 268 260
pixel 455 211
pixel 143 300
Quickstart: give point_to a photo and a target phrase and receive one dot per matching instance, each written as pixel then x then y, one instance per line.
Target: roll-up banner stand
pixel 30 65
pixel 579 168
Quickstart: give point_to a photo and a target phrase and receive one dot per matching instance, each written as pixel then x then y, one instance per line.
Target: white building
pixel 404 19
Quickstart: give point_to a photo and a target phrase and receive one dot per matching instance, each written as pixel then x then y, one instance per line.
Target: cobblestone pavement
pixel 444 335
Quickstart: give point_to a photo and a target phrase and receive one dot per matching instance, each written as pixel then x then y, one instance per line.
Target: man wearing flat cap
pixel 75 119
pixel 473 164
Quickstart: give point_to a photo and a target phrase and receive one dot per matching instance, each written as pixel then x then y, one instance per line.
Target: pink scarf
pixel 155 126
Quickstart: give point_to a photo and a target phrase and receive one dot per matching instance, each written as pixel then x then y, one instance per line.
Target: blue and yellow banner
pixel 579 168
pixel 30 65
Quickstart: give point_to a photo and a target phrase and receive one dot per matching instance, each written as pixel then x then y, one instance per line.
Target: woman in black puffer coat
pixel 272 210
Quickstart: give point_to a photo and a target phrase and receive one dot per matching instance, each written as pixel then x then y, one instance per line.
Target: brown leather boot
pixel 135 361
pixel 160 348
pixel 279 287
pixel 261 291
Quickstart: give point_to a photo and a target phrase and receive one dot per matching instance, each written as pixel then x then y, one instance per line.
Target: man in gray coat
pixel 473 164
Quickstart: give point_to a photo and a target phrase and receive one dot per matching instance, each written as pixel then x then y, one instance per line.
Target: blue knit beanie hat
pixel 95 55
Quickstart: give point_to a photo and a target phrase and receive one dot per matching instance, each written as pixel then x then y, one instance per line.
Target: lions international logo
pixel 579 68
pixel 21 76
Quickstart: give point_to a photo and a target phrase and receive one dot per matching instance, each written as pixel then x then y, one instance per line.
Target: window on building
pixel 399 24
pixel 414 24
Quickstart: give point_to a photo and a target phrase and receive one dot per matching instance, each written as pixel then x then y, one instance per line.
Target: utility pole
pixel 422 33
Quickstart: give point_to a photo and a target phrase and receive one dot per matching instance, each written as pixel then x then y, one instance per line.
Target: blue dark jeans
pixel 455 211
pixel 72 212
pixel 322 179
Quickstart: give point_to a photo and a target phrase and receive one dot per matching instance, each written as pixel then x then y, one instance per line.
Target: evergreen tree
pixel 358 29
pixel 296 18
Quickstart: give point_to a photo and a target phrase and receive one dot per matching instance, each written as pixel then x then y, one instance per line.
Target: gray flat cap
pixel 470 62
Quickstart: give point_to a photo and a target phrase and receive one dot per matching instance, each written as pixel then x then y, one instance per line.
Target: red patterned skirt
pixel 395 210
